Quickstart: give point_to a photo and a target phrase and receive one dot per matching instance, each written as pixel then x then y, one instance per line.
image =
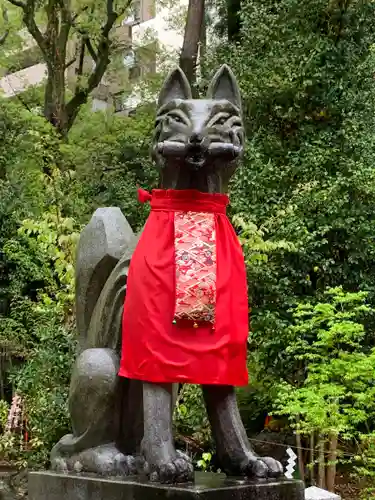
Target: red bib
pixel 186 308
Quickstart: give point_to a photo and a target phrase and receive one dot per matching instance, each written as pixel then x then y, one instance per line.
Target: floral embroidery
pixel 195 253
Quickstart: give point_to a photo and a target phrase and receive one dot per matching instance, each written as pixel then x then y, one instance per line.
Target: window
pixel 134 72
pixel 135 14
pixel 129 59
pixel 149 67
pixel 118 102
pixel 131 62
pixel 137 10
pixel 128 20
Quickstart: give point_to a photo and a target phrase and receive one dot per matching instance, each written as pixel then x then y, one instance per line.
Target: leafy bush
pixel 40 259
pixel 111 159
pixel 331 394
pixel 47 189
pixel 191 418
pixel 4 409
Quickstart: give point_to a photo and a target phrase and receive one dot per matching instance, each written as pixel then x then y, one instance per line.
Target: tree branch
pixel 6 21
pixel 66 25
pixel 91 49
pixel 71 18
pixel 112 15
pixel 4 37
pixel 29 20
pixel 63 36
pixel 110 7
pixel 79 68
pixel 190 47
pixel 102 59
pixel 77 14
pixel 81 94
pixel 66 15
pixel 124 9
pixel 111 19
pixel 72 61
pixel 18 3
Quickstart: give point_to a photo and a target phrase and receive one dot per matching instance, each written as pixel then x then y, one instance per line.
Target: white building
pixel 149 25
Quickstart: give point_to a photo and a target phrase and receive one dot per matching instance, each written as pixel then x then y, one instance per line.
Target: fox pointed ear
pixel 176 86
pixel 224 86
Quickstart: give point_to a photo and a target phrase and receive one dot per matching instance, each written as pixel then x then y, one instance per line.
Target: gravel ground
pixel 13 485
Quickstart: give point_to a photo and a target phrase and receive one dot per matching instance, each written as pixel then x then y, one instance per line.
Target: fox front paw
pixel 262 467
pixel 176 470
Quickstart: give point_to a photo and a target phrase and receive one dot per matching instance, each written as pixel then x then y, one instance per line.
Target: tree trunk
pixel 332 458
pixel 301 466
pixel 2 374
pixel 233 20
pixel 54 99
pixel 312 459
pixel 321 464
pixel 53 42
pixel 4 36
pixel 193 30
pixel 56 38
pixel 203 47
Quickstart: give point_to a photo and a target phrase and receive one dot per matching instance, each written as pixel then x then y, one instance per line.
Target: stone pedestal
pixel 314 493
pixel 52 486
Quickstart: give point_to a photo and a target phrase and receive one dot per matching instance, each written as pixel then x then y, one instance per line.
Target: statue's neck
pixel 208 179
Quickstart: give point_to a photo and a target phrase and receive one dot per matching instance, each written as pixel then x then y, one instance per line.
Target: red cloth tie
pixel 144 196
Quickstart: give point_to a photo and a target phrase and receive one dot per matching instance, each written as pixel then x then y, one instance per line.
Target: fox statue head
pixel 198 142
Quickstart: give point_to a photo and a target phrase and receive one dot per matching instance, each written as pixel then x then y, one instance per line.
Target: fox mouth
pixel 196 156
pixel 196 160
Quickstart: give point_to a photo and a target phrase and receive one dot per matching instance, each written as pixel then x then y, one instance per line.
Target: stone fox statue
pixel 185 318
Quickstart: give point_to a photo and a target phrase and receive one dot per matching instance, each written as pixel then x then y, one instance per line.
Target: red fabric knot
pixel 143 196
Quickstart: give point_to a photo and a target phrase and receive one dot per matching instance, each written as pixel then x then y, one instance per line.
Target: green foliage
pixel 44 381
pixel 39 327
pixel 306 74
pixel 48 188
pixel 27 144
pixel 332 391
pixel 364 464
pixel 190 415
pixel 9 448
pixel 4 408
pixel 41 277
pixel 302 204
pixel 111 159
pixel 56 239
pixel 204 462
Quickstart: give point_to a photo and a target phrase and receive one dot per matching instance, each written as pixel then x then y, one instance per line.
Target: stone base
pixel 314 493
pixel 207 486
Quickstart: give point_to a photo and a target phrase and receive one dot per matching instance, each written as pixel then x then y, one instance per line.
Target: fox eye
pixel 175 118
pixel 221 121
